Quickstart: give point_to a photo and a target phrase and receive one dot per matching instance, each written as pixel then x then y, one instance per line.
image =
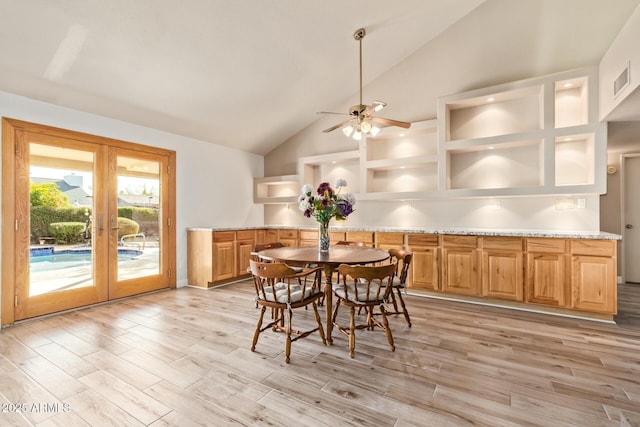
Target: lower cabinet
pixel 503 268
pixel 594 275
pixel 218 256
pixel 566 273
pixel 423 273
pixel 460 266
pixel 245 240
pixel 224 257
pixel 547 279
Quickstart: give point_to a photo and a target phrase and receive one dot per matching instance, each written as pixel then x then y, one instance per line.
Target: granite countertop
pixel 457 231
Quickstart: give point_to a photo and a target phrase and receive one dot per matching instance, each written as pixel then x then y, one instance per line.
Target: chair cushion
pixel 396 283
pixel 350 295
pixel 282 293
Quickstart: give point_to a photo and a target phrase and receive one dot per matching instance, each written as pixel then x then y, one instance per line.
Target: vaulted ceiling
pixel 250 74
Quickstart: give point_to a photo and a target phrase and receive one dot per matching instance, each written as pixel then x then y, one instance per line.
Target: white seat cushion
pixel 282 293
pixel 350 295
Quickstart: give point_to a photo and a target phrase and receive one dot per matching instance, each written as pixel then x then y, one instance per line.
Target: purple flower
pixel 325 188
pixel 344 208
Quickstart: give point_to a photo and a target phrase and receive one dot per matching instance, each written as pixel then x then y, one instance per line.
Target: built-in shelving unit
pixel 532 137
pixel 276 189
pixel 536 136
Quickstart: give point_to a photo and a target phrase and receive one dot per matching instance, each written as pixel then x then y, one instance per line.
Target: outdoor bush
pixel 147 218
pixel 127 226
pixel 67 232
pixel 42 216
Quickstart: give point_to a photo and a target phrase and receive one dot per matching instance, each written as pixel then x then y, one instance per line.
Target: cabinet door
pixel 244 249
pixel 460 271
pixel 424 269
pixel 593 281
pixel 502 274
pixel 546 279
pixel 223 261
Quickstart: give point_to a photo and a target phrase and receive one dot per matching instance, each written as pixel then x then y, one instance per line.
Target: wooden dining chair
pixel 279 287
pixel 402 260
pixel 363 287
pixel 263 246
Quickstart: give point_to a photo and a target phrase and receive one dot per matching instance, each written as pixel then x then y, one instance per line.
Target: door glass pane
pixel 61 249
pixel 139 225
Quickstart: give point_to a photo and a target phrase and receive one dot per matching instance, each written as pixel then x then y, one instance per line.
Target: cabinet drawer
pixel 555 246
pixel 308 235
pixel 505 243
pixel 390 238
pixel 460 241
pixel 422 240
pixel 245 234
pixel 360 236
pixel 593 247
pixel 288 234
pixel 224 236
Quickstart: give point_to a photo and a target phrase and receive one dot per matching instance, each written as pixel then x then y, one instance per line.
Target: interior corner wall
pixel 214 183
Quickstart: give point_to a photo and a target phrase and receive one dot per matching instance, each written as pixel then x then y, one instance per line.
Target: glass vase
pixel 324 239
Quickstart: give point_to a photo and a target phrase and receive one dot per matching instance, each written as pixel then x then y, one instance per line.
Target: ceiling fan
pixel 362 120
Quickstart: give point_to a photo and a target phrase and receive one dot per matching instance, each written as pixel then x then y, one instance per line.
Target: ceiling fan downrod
pixel 359 35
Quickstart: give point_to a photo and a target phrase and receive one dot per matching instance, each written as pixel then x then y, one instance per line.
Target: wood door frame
pixel 11 129
pixel 623 217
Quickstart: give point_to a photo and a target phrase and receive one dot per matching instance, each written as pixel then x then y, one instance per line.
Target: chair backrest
pixel 348 243
pixel 263 246
pixel 402 259
pixel 277 282
pixel 365 283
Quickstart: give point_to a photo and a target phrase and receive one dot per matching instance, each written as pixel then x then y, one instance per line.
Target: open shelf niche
pixel 535 136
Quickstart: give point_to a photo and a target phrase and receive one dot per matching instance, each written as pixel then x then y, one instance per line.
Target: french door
pixel 92 220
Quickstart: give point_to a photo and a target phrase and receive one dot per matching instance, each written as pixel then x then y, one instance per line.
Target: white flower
pixel 349 198
pixel 304 204
pixel 341 183
pixel 307 189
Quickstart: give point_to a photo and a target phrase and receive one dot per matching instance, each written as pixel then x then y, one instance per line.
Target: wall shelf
pixel 532 137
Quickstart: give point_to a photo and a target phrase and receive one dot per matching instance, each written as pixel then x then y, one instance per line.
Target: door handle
pixel 114 223
pixel 100 225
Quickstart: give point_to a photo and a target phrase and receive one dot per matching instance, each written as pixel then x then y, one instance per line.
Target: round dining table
pixel 329 261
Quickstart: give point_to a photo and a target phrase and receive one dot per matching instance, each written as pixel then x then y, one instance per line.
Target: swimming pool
pixel 48 258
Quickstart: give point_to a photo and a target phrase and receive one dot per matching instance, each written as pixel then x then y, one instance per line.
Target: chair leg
pixel 319 322
pixel 259 325
pixel 385 324
pixel 352 333
pixel 404 307
pixel 287 346
pixel 393 300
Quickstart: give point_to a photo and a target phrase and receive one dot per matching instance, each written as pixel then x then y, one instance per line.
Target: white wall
pixel 515 213
pixel 214 184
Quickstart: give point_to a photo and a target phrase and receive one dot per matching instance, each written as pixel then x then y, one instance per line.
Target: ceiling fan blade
pixel 373 107
pixel 339 125
pixel 331 112
pixel 390 122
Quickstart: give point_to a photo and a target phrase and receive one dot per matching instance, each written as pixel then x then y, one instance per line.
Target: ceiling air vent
pixel 621 82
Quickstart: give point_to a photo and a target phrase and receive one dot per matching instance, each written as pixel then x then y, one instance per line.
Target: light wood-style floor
pixel 182 357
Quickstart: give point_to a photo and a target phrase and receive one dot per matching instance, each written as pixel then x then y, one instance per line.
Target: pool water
pixel 41 260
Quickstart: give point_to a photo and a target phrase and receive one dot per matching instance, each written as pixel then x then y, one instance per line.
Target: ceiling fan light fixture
pixel 357 135
pixel 365 127
pixel 348 130
pixel 374 131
